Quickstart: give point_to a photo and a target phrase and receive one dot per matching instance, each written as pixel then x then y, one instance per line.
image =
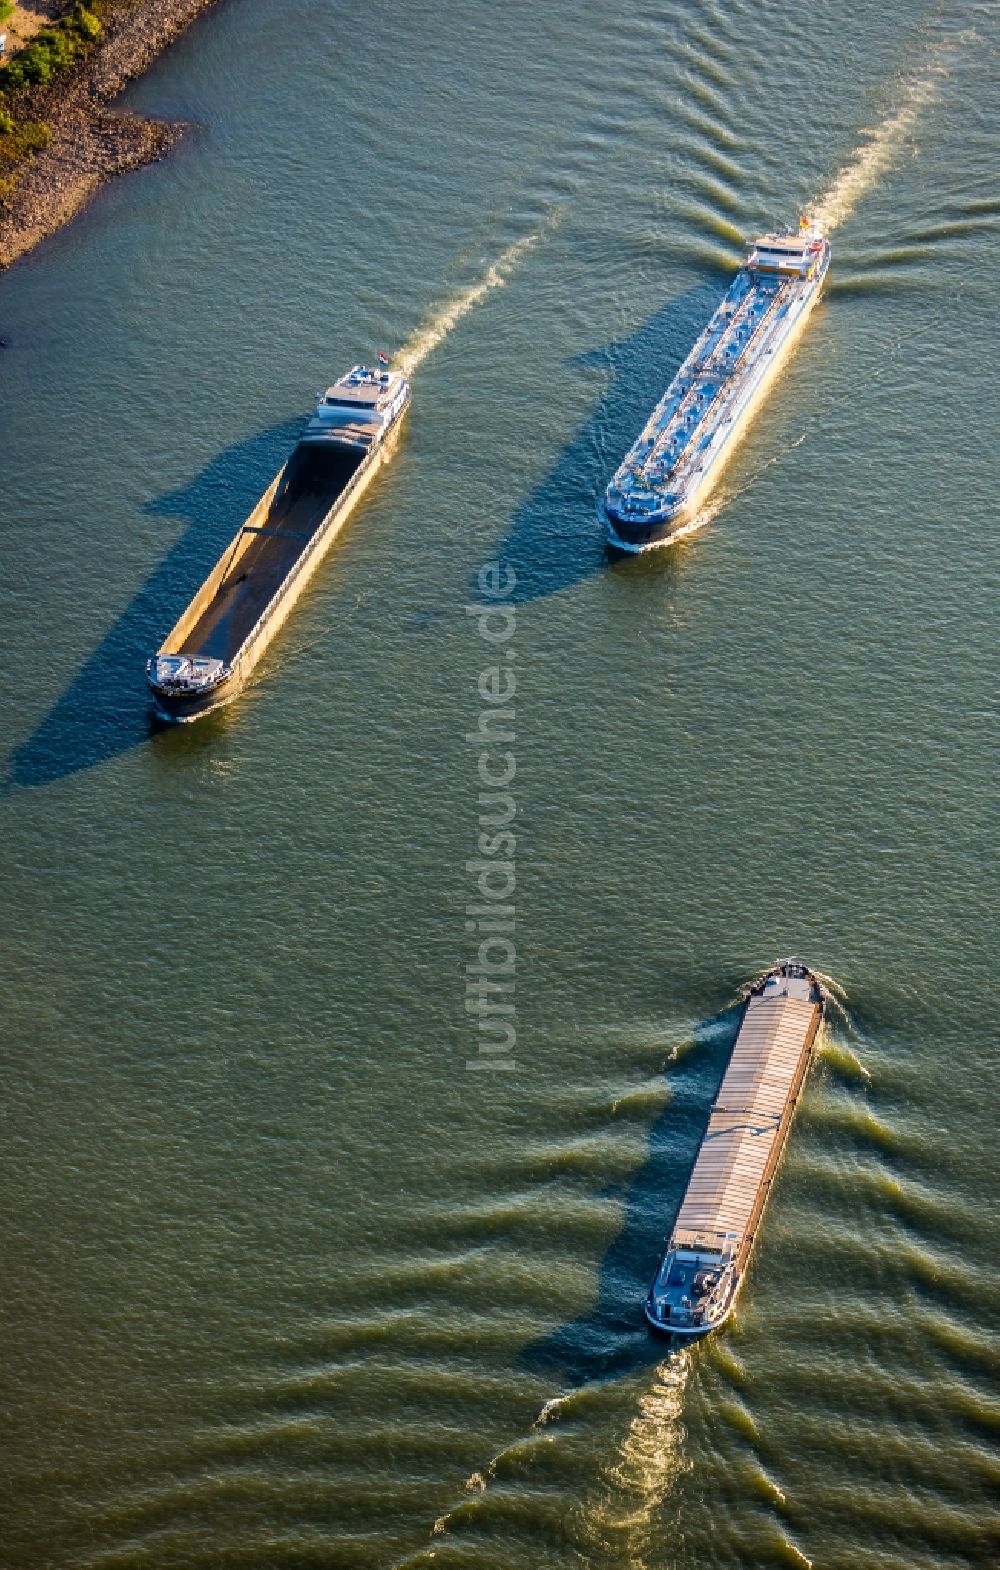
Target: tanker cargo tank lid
pixel 682 446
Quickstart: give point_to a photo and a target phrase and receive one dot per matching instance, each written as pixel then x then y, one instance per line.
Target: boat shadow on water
pixel 613 1339
pixel 106 708
pixel 556 538
pixel 553 541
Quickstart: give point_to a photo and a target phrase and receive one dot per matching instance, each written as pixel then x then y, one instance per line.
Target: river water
pixel 285 1283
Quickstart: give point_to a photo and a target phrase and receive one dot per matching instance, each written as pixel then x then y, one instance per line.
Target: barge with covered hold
pixel 207 656
pixel 654 496
pixel 709 1248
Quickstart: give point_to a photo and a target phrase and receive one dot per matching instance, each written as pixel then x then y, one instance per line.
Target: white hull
pixel 692 516
pixel 659 493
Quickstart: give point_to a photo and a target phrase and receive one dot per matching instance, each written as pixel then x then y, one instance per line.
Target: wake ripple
pixel 643 1473
pixel 432 333
pixel 882 145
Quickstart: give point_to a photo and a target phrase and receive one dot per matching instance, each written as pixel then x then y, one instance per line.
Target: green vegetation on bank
pixel 51 50
pixel 18 140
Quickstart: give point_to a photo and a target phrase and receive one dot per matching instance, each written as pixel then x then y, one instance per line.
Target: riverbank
pixel 88 142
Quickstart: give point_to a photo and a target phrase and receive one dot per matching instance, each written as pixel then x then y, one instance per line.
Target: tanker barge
pixel 654 496
pixel 207 656
pixel 709 1248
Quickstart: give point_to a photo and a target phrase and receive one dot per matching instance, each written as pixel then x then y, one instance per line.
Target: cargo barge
pixel 655 495
pixel 205 659
pixel 706 1256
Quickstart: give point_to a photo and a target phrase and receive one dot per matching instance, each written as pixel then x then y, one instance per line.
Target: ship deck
pixel 311 484
pixel 746 1131
pixel 734 340
pixel 710 395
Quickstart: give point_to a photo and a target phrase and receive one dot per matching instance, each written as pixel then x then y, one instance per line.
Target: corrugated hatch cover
pixel 744 1122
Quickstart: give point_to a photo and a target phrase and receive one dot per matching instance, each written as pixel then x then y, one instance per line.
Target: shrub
pixel 85 22
pixel 6 123
pixel 6 10
pixel 23 139
pixel 59 45
pixel 52 49
pixel 33 135
pixel 29 66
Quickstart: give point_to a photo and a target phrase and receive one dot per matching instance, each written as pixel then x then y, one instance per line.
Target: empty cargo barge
pixel 706 1257
pixel 207 656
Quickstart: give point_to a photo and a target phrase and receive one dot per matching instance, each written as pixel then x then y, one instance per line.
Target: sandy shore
pixel 91 142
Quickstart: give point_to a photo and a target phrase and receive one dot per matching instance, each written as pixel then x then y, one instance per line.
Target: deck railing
pixel 294 572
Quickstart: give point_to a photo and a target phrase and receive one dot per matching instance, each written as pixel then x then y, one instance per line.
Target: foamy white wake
pixel 634 1484
pixel 797 1554
pixel 698 520
pixel 479 1481
pixel 551 1409
pixel 648 1463
pixel 881 147
pixel 433 332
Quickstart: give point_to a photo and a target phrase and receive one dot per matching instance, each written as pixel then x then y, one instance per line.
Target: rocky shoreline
pixel 89 142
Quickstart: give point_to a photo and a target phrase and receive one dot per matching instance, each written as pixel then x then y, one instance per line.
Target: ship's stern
pixel 692 1294
pixel 184 687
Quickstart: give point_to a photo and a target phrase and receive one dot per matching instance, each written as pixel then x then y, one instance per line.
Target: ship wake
pixel 884 144
pixel 637 1482
pixel 622 1518
pixel 431 333
pixel 519 1451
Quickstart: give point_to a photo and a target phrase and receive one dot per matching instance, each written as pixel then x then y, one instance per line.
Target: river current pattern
pixel 286 1283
